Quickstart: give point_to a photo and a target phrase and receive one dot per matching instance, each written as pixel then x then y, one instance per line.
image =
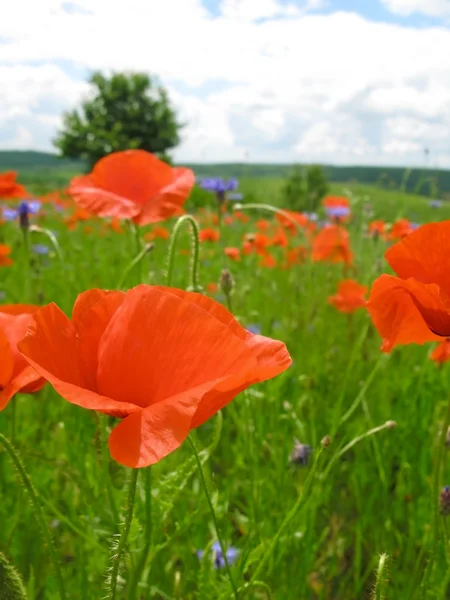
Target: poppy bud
pixel 226 282
pixel 326 441
pixel 444 501
pixel 11 584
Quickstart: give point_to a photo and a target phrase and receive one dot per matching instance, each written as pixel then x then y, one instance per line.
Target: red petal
pixel 402 311
pixel 424 255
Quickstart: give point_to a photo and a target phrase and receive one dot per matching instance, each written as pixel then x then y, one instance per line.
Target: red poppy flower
pixel 332 244
pixel 233 253
pixel 212 287
pixel 209 235
pixel 350 296
pixel 295 256
pixel 256 242
pixel 268 261
pixel 158 231
pixel 161 359
pixel 333 201
pixel 5 259
pixel 289 219
pixel 415 306
pixel 377 228
pixel 228 220
pixel 15 373
pixel 280 239
pixel 115 225
pixel 441 353
pixel 133 185
pixel 263 225
pixel 240 216
pixel 9 188
pixel 400 229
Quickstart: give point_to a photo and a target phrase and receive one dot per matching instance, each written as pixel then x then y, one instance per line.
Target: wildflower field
pixel 153 446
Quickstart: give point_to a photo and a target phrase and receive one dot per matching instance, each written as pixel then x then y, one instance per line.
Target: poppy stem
pixel 118 551
pixel 147 534
pixel 194 287
pixel 26 481
pixel 269 207
pixel 137 259
pixel 435 491
pixel 214 517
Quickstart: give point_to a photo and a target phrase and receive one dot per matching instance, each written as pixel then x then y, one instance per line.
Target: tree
pixel 305 188
pixel 126 110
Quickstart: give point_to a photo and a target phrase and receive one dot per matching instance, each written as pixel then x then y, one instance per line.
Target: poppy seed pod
pixel 226 282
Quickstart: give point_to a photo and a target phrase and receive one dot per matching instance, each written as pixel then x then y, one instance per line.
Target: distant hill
pixel 39 167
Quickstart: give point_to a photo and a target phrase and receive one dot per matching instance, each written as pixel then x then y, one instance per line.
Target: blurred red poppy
pixel 158 231
pixel 280 238
pixel 441 353
pixel 15 373
pixel 263 225
pixel 209 235
pixel 350 296
pixel 161 359
pixel 5 259
pixel 377 228
pixel 332 244
pixel 133 184
pixel 415 306
pixel 233 253
pixel 212 287
pixel 400 229
pixel 9 188
pixel 296 256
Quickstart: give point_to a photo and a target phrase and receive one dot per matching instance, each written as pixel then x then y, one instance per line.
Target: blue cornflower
pixel 22 212
pixel 217 555
pixel 335 212
pixel 235 197
pixel 219 186
pixel 40 249
pixel 312 216
pixel 255 329
pixel 435 203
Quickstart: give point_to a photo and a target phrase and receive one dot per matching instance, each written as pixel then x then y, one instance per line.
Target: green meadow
pixel 357 519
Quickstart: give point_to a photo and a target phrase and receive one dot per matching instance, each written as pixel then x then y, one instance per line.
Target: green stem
pixel 137 259
pixel 289 517
pixel 26 265
pixel 270 208
pixel 147 535
pixel 117 553
pixel 52 239
pixel 435 491
pixel 17 461
pixel 213 514
pixel 195 251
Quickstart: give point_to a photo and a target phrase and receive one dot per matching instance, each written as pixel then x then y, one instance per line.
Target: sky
pixel 330 81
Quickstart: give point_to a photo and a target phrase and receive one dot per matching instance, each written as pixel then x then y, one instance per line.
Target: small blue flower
pixel 218 185
pixel 25 208
pixel 40 249
pixel 217 555
pixel 235 197
pixel 255 329
pixel 435 203
pixel 337 211
pixel 312 216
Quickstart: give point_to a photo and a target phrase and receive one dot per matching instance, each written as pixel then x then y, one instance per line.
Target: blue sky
pixel 337 81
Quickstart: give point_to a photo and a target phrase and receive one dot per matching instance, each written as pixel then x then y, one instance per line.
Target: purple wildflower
pixel 217 555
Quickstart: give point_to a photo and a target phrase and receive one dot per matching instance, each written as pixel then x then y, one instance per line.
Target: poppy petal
pixel 28 380
pixel 424 255
pixel 18 309
pixel 6 360
pixel 403 310
pixel 51 346
pixel 169 201
pixel 158 346
pixel 100 202
pixel 93 310
pixel 149 435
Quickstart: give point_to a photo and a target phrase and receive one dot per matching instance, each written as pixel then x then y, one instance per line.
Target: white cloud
pixel 432 8
pixel 301 87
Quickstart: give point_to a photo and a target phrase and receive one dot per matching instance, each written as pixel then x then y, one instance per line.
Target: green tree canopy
pixel 305 188
pixel 126 110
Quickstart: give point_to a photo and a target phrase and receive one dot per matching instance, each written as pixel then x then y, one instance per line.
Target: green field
pixel 320 528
